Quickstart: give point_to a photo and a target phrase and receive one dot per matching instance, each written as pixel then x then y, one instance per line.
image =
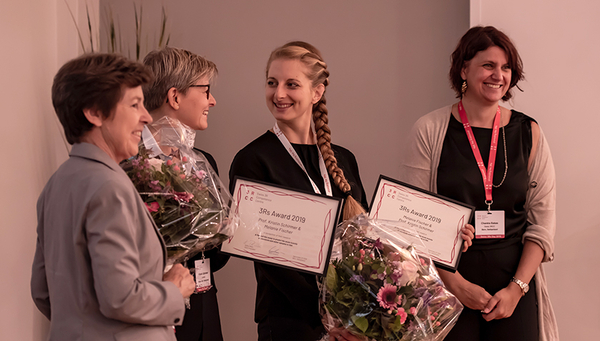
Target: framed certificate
pixel 282 226
pixel 436 219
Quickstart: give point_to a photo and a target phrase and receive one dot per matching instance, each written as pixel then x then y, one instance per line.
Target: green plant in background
pixel 114 34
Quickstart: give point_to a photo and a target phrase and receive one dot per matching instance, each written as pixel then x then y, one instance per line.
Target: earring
pixel 463 88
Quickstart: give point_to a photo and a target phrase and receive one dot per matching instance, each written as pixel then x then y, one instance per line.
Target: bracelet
pixel 524 286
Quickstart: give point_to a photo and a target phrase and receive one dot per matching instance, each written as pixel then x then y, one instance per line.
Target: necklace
pixel 505 157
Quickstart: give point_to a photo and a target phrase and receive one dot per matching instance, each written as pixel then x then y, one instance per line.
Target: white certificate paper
pixel 281 226
pixel 436 219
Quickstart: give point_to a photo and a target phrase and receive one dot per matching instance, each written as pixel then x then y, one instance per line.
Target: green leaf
pixel 396 326
pixel 361 323
pixel 331 279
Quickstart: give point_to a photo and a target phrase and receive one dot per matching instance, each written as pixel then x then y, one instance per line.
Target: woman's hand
pixel 473 296
pixel 503 304
pixel 181 277
pixel 341 334
pixel 467 233
pixel 470 295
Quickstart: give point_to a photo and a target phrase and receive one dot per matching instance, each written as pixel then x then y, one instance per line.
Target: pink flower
pixel 413 311
pixel 169 162
pixel 182 176
pixel 387 296
pixel 185 196
pixel 176 168
pixel 153 207
pixel 184 159
pixel 362 256
pixel 403 315
pixel 200 174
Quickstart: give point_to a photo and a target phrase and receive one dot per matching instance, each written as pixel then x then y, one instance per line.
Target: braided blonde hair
pixel 310 56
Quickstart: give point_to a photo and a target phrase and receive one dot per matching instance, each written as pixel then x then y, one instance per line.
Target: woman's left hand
pixel 503 303
pixel 341 334
pixel 467 233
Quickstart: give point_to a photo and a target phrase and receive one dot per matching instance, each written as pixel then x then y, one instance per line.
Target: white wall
pixel 36 38
pixel 560 47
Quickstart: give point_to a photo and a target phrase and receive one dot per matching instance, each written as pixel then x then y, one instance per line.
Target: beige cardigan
pixel 419 167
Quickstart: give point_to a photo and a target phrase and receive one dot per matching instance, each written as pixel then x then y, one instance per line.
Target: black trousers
pixel 201 322
pixel 277 328
pixel 492 268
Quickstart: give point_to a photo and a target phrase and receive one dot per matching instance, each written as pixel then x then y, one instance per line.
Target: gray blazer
pixel 99 260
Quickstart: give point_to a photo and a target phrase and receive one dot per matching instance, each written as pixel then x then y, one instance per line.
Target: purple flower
pixel 154 185
pixel 396 274
pixel 420 291
pixel 356 278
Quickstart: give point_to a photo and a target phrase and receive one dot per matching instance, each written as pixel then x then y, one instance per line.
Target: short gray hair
pixel 174 68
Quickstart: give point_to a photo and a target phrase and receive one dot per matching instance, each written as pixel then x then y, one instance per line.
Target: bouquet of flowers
pixel 186 198
pixel 379 288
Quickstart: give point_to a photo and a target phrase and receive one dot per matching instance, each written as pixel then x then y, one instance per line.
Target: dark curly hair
pixel 480 38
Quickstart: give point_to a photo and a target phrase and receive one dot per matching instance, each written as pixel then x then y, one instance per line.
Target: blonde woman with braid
pixel 287 305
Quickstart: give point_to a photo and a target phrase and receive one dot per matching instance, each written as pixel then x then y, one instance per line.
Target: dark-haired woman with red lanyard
pixel 497 160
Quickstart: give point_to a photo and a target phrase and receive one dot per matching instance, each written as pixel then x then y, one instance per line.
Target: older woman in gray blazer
pixel 98 267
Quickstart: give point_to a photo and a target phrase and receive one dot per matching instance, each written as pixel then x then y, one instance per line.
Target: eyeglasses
pixel 202 85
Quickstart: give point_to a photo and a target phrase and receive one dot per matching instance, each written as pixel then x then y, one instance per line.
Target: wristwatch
pixel 524 286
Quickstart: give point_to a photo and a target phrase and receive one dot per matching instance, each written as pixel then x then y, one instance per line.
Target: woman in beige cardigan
pixel 449 152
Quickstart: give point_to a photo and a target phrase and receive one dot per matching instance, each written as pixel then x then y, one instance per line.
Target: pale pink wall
pixel 560 47
pixel 36 37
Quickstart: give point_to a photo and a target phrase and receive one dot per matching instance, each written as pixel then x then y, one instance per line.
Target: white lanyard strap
pixel 288 146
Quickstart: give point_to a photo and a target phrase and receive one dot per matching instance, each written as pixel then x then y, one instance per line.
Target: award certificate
pixel 436 219
pixel 282 227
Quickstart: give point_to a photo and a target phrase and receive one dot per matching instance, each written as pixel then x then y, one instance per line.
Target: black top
pixel 217 259
pixel 459 176
pixel 201 322
pixel 284 292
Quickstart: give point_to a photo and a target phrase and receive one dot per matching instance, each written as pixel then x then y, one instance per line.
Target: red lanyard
pixel 489 177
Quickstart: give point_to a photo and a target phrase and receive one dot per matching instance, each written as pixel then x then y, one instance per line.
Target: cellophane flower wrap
pixel 186 198
pixel 379 288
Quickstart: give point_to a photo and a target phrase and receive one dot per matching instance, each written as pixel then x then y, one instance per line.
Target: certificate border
pixel 299 194
pixel 434 195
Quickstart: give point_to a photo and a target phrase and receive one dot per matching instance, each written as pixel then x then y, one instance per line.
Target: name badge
pixel 202 273
pixel 489 224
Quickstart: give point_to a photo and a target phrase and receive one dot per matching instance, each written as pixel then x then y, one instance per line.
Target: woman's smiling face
pixel 122 130
pixel 289 92
pixel 488 75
